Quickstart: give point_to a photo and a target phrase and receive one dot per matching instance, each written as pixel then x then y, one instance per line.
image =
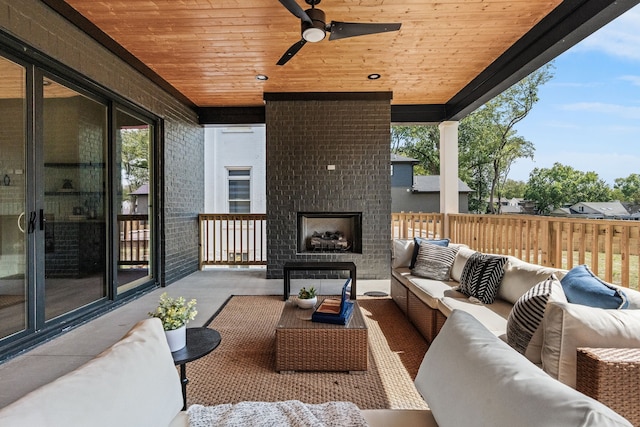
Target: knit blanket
pixel 270 414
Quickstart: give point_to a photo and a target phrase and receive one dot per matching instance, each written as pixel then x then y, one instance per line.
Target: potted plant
pixel 175 313
pixel 307 298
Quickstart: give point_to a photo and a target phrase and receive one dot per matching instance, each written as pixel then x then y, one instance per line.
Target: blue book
pixel 335 311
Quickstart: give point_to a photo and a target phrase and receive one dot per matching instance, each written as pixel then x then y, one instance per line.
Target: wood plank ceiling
pixel 212 50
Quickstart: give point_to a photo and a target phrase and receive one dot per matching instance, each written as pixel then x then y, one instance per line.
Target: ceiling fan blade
pixel 342 30
pixel 292 51
pixel 295 8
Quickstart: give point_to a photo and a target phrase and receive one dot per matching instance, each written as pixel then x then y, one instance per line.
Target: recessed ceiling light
pixel 262 77
pixel 374 76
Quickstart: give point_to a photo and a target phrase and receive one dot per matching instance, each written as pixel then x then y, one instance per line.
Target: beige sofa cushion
pixel 471 378
pixel 133 383
pixel 519 277
pixel 463 255
pixel 402 252
pixel 491 316
pixel 568 326
pixel 428 291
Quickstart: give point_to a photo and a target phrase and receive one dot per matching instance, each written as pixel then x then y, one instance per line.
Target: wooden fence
pixel 233 239
pixel 611 249
pixel 134 240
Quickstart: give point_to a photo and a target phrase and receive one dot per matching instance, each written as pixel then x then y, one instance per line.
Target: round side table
pixel 200 342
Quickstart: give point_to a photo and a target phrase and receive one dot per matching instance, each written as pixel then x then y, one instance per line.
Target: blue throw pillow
pixel 583 287
pixel 416 247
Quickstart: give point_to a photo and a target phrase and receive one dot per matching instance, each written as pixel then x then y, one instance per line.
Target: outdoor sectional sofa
pixel 469 377
pixel 552 344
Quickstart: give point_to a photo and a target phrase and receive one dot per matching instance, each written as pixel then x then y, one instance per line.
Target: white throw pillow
pixel 402 252
pixel 520 276
pixel 568 326
pixel 463 255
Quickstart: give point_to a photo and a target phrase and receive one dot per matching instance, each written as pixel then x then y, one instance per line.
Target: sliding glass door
pixel 15 221
pixel 74 147
pixel 76 201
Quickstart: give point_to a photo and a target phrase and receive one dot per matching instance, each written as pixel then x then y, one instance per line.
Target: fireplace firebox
pixel 330 232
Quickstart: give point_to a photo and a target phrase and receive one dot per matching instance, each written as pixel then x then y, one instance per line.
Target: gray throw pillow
pixel 435 262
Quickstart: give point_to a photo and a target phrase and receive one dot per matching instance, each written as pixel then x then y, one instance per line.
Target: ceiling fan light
pixel 313 34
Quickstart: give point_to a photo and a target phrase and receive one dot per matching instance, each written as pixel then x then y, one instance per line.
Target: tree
pixel 135 157
pixel 560 185
pixel 488 143
pixel 628 188
pixel 500 144
pixel 512 188
pixel 421 143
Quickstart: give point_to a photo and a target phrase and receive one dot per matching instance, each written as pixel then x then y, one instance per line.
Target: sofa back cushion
pixel 519 277
pixel 463 255
pixel 469 377
pixel 402 252
pixel 568 326
pixel 133 383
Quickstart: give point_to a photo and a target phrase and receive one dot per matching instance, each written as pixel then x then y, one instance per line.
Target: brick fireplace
pixel 328 155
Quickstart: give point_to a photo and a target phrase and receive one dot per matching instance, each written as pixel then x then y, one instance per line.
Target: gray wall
pixel 303 137
pixel 403 201
pixel 41 28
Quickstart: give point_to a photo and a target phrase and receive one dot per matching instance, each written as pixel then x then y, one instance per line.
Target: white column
pixel 449 202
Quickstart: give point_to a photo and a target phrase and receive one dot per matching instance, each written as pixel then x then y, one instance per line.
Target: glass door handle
pixel 32 222
pixel 19 222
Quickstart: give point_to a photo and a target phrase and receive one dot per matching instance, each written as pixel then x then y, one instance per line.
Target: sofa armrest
pixel 611 376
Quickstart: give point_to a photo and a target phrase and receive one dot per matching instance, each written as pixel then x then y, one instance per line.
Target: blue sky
pixel 588 116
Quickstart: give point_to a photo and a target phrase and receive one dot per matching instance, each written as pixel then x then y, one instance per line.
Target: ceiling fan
pixel 314 28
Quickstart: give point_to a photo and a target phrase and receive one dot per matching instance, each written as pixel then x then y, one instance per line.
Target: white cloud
pixel 622 111
pixel 635 80
pixel 619 38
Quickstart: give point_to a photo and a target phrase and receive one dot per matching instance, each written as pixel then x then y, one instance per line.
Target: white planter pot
pixel 177 338
pixel 307 303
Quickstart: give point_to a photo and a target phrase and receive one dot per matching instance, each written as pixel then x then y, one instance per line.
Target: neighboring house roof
pixel 431 184
pixel 143 190
pixel 604 208
pixel 395 158
pixel 508 209
pixel 561 212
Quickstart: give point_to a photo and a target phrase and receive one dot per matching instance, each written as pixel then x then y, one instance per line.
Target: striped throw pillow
pixel 527 313
pixel 481 276
pixel 435 262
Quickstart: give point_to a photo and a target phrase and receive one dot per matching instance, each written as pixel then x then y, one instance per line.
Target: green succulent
pixel 307 294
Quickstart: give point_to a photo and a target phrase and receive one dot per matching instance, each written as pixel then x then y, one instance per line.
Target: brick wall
pixel 303 138
pixel 44 30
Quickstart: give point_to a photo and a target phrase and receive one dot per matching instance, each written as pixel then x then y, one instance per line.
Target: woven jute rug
pixel 242 368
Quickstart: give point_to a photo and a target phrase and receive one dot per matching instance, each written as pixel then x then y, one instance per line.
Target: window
pixel 239 190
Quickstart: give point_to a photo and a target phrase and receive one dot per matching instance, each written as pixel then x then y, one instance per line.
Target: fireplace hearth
pixel 329 232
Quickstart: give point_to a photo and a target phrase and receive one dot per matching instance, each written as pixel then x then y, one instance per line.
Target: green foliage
pixel 512 188
pixel 628 189
pixel 488 143
pixel 307 294
pixel 135 157
pixel 560 185
pixel 421 143
pixel 492 143
pixel 174 312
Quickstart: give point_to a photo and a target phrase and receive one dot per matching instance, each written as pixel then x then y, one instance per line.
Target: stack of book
pixel 333 310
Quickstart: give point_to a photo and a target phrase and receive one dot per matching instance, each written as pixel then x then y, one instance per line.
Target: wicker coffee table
pixel 303 345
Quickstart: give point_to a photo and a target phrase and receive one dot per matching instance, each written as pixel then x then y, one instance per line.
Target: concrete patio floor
pixel 211 288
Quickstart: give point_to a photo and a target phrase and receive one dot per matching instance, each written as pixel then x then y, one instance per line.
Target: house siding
pixel 40 28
